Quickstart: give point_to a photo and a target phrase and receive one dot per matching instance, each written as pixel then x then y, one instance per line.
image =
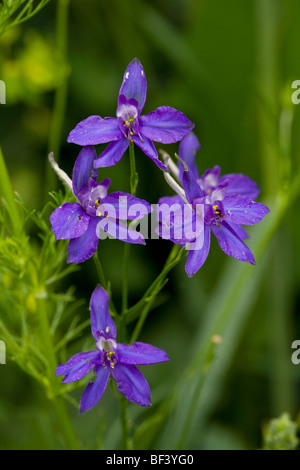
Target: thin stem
pixel 133 186
pixel 65 424
pixel 122 326
pixel 61 92
pixel 173 259
pixel 104 283
pixel 59 406
pixel 268 17
pixel 7 192
pixel 125 278
pixel 150 296
pixel 22 16
pixel 133 173
pixel 124 423
pixel 100 270
pixel 142 319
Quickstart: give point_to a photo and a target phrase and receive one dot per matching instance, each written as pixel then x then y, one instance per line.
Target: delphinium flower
pixel 220 204
pixel 165 125
pixel 110 358
pixel 82 221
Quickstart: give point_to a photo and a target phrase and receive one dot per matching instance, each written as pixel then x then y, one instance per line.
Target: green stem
pixel 65 424
pixel 150 296
pixel 142 320
pixel 100 270
pixel 281 329
pixel 133 173
pixel 7 192
pixel 122 326
pixel 124 423
pixel 268 17
pixel 59 406
pixel 173 259
pixel 104 283
pixel 61 92
pixel 125 278
pixel 22 16
pixel 133 186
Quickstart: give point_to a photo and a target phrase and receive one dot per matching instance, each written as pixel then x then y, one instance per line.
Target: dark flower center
pixel 219 216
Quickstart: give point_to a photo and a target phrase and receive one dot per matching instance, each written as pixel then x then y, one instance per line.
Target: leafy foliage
pixel 14 12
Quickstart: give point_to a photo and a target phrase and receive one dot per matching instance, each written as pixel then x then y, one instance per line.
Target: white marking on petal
pixel 106 344
pixel 142 72
pixel 169 163
pixel 107 329
pixel 125 111
pixel 126 75
pixel 60 173
pixel 174 185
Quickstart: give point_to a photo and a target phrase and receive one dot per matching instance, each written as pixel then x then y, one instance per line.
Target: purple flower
pixel 110 359
pixel 165 125
pixel 220 205
pixel 96 212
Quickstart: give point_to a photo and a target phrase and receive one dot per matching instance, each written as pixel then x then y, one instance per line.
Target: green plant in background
pixel 15 12
pixel 46 319
pixel 33 71
pixel 280 434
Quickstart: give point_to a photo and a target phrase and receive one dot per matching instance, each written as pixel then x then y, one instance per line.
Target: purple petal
pixel 94 130
pixel 101 321
pixel 210 179
pixel 238 229
pixel 170 200
pixel 165 125
pixel 78 366
pixel 117 230
pixel 187 152
pixel 241 209
pixel 169 214
pixel 170 210
pixel 94 390
pixel 241 184
pixel 69 221
pixel 140 354
pixel 190 185
pixel 134 83
pixel 113 153
pixel 126 206
pixel 179 222
pixel 231 243
pixel 197 256
pixel 148 148
pixel 83 169
pixel 132 384
pixel 82 248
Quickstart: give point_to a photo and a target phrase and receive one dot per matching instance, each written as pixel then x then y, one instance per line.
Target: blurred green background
pixel 229 66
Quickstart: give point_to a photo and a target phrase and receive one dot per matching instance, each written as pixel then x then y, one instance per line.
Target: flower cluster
pixel 203 204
